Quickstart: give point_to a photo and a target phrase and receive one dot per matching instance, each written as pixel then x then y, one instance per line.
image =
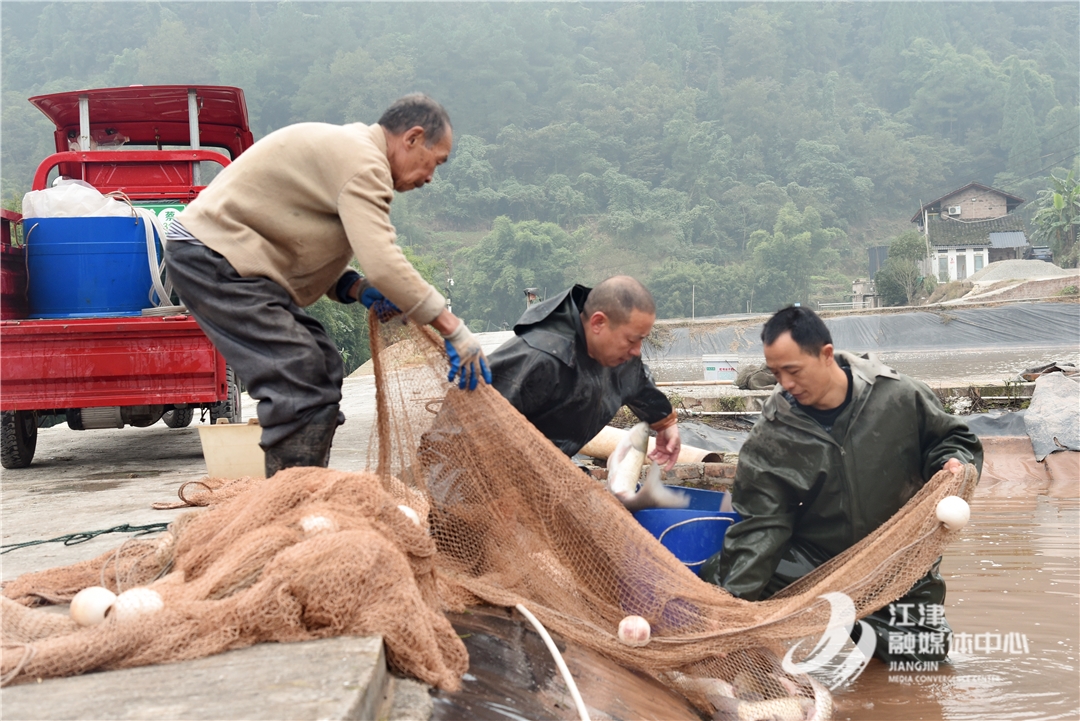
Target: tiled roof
pixel 950 231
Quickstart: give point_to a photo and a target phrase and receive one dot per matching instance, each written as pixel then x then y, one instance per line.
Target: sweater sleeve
pixel 364 209
pixel 339 291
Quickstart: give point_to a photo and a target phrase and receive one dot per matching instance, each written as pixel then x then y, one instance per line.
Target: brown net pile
pixel 505 519
pixel 311 554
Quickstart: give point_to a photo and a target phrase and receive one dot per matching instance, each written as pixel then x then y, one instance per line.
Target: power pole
pixel 449 285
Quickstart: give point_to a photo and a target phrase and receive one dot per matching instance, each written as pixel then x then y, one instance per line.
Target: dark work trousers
pixel 282 354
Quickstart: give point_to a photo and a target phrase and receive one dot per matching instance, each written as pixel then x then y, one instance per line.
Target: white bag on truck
pixel 71 199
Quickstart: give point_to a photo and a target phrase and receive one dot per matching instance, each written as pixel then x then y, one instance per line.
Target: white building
pixel 969 228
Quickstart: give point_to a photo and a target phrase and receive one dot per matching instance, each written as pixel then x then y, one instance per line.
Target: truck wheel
pixel 230 407
pixel 178 417
pixel 18 438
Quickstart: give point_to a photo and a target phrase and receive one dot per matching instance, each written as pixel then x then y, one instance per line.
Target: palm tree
pixel 1057 218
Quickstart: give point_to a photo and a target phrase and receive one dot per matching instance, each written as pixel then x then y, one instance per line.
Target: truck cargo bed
pixel 93 362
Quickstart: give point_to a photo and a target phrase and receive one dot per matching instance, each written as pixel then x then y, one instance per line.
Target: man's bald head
pixel 618 297
pixel 618 315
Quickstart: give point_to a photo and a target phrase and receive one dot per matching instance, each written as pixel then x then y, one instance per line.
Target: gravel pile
pixel 1018 270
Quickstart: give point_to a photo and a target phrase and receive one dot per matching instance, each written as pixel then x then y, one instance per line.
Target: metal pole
pixel 84 122
pixel 193 131
pixel 693 301
pixel 926 234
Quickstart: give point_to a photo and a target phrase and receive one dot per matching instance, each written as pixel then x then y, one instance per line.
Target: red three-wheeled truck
pixel 82 338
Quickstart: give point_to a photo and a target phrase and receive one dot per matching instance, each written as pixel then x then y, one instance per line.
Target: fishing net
pixel 504 518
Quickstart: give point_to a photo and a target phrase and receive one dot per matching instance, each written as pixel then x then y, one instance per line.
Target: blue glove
pixel 367 294
pixel 385 310
pixel 372 298
pixel 467 360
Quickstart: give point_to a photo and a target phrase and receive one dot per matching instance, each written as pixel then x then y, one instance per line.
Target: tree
pixel 783 264
pixel 899 24
pixel 512 257
pixel 174 54
pixel 900 278
pixel 682 290
pixel 814 166
pixel 781 269
pixel 756 44
pixel 908 246
pixel 347 327
pixel 1019 136
pixel 1058 217
pixel 898 281
pixel 957 94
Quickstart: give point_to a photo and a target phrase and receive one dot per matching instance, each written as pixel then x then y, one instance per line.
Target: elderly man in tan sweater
pixel 276 230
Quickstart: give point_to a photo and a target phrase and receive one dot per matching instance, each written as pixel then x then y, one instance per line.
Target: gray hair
pixel 617 297
pixel 417 109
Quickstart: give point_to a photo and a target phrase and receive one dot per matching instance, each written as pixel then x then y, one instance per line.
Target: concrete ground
pixel 334 678
pixel 92 480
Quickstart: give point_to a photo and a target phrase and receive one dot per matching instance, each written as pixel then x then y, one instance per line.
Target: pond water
pixel 1013 580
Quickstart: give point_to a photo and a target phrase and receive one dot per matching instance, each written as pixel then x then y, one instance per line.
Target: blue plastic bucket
pixel 86 267
pixel 693 534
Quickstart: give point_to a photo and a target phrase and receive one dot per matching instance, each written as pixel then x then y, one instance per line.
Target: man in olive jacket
pixel 842 444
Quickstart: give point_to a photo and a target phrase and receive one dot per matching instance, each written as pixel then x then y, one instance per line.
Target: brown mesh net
pixel 505 518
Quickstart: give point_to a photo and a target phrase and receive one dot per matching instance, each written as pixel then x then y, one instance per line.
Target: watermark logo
pixel 911 679
pixel 827 661
pixel 918 639
pixel 1015 644
pixel 904 642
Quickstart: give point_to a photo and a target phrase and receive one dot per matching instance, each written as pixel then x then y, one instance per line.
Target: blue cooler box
pixel 695 533
pixel 86 267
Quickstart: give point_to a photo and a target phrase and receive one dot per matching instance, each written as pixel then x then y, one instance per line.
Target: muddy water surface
pixel 1015 571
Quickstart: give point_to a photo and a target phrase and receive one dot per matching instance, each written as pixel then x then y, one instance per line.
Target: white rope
pixel 583 713
pixel 151 222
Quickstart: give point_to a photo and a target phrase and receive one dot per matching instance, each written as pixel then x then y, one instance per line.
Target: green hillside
pixel 726 153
